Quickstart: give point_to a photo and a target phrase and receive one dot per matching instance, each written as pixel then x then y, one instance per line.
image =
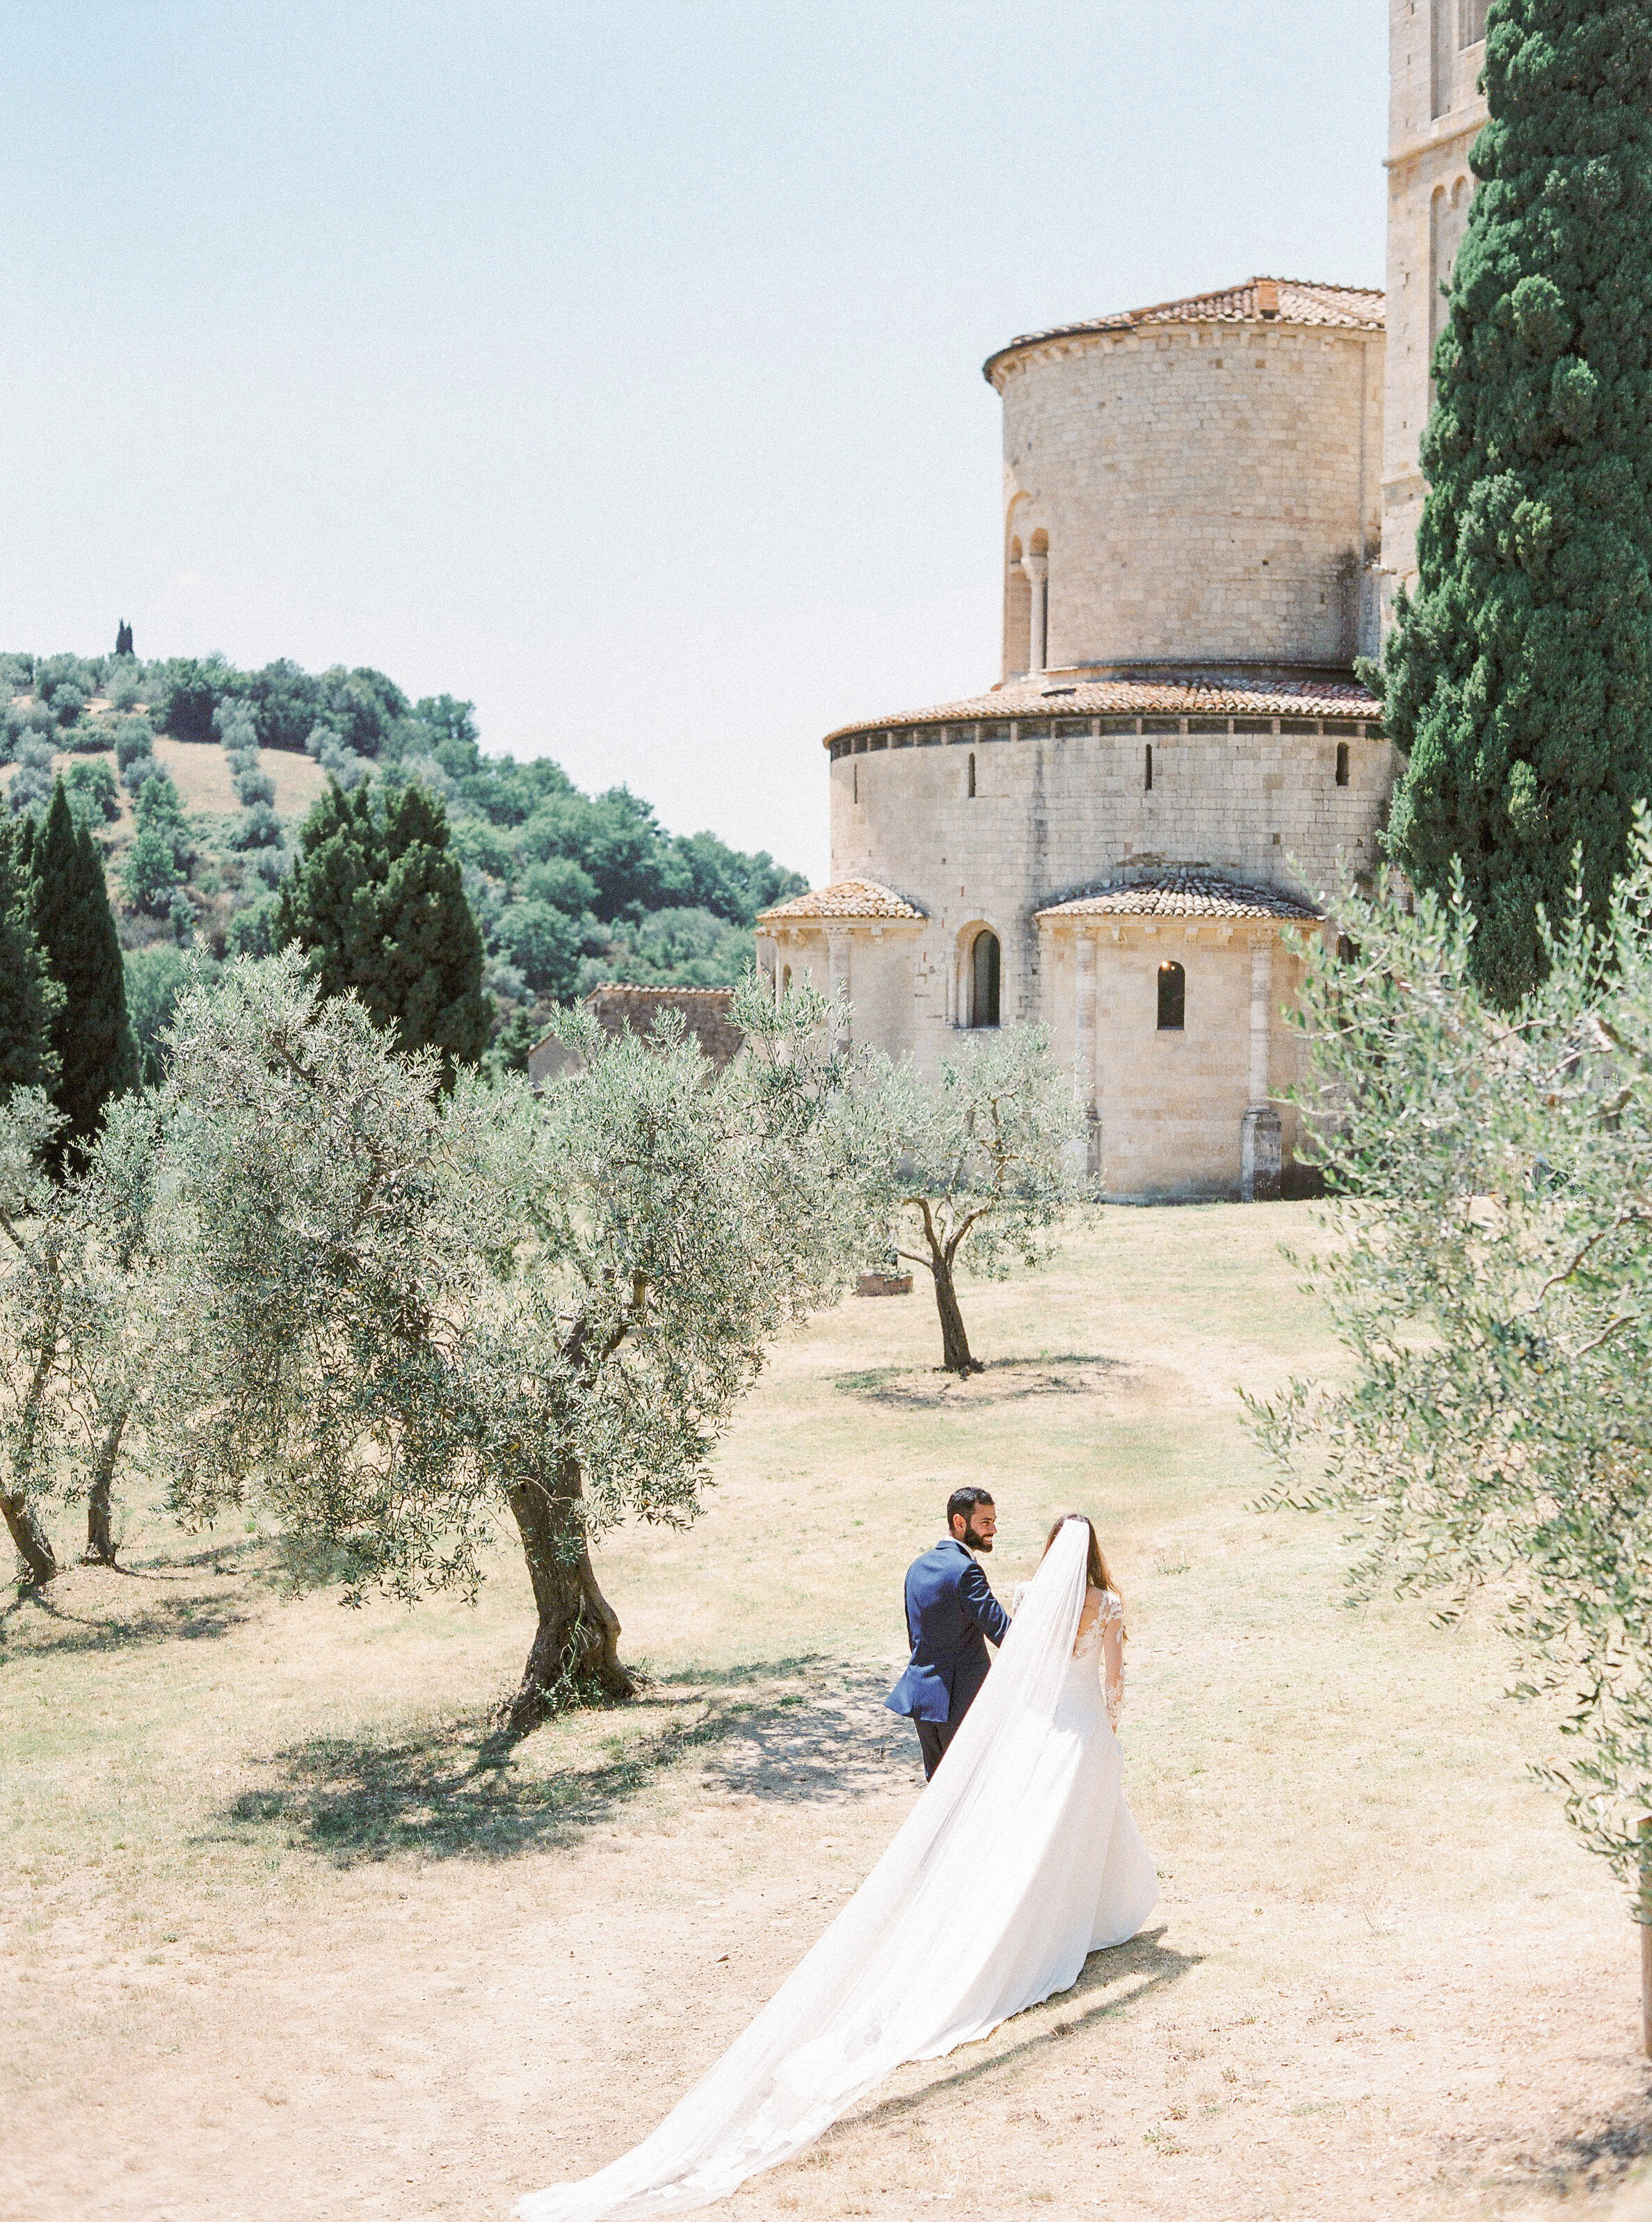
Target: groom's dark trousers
pixel 951 1617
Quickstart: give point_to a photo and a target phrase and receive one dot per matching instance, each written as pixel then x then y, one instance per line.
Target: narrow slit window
pixel 1148 782
pixel 1341 763
pixel 1172 997
pixel 972 775
pixel 985 963
pixel 854 782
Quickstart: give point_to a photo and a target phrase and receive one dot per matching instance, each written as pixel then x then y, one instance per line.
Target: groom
pixel 951 1617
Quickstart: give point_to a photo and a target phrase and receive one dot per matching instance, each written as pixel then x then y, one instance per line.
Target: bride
pixel 1019 1859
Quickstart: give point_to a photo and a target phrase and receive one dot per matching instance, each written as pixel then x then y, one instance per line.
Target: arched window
pixel 984 979
pixel 972 775
pixel 1341 763
pixel 1148 782
pixel 1172 997
pixel 1448 220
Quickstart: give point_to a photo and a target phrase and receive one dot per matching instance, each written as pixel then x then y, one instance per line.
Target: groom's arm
pixel 975 1595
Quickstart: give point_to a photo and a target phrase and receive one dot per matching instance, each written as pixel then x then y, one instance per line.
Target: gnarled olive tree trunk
pixel 34 1544
pixel 100 1530
pixel 577 1639
pixel 955 1355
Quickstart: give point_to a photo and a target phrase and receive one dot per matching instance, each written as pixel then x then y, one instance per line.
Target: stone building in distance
pixel 1207 505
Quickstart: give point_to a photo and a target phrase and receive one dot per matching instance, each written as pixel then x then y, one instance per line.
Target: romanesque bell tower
pixel 1434 113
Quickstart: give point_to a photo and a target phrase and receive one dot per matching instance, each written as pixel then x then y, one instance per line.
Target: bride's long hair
pixel 1100 1573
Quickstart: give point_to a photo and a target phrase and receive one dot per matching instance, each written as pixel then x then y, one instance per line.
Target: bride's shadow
pixel 1110 1982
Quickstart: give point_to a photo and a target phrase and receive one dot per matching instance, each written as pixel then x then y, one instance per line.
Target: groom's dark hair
pixel 961 1503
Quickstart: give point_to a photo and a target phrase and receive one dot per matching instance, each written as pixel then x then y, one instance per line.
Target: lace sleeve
pixel 1112 1657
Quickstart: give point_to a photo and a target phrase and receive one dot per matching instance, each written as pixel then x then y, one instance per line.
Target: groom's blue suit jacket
pixel 951 1615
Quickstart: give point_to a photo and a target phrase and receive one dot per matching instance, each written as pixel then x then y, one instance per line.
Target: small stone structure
pixel 619 1008
pixel 1208 502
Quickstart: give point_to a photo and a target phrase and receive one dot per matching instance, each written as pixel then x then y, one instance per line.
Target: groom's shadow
pixel 1110 1982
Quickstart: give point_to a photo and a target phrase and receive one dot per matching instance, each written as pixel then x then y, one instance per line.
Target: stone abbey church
pixel 1208 505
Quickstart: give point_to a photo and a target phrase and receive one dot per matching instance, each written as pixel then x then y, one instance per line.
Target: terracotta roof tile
pixel 849 899
pixel 1138 697
pixel 1183 894
pixel 1258 300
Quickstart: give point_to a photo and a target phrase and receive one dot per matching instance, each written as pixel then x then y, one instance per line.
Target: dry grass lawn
pixel 288 1936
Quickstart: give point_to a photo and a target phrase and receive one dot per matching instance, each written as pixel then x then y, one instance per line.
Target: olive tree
pixel 1491 1280
pixel 983 1154
pixel 404 1317
pixel 33 1387
pixel 78 1321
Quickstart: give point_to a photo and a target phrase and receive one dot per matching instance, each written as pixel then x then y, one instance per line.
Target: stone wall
pixel 1169 1106
pixel 1053 817
pixel 1434 115
pixel 1166 1107
pixel 1210 492
pixel 1067 810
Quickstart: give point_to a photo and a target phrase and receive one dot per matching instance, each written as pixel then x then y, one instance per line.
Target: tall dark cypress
pixel 74 926
pixel 30 999
pixel 1519 679
pixel 432 944
pixel 377 900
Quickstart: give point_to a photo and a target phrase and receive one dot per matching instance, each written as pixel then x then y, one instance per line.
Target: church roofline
pixel 1183 894
pixel 1172 697
pixel 1257 301
pixel 848 901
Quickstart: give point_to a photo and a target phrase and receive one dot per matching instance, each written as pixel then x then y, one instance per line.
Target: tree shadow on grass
pixel 999 1381
pixel 1596 2159
pixel 160 1599
pixel 802 1729
pixel 69 1616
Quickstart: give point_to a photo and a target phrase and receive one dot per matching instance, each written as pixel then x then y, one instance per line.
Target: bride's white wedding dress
pixel 1019 1859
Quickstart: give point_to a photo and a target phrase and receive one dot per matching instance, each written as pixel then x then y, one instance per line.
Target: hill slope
pixel 568 888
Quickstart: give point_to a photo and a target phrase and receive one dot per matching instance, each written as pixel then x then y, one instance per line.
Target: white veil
pixel 906 1971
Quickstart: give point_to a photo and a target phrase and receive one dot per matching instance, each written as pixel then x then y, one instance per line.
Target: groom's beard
pixel 974 1542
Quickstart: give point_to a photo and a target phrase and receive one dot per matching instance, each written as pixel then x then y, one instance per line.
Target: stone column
pixel 1262 1152
pixel 1037 569
pixel 837 982
pixel 1083 1043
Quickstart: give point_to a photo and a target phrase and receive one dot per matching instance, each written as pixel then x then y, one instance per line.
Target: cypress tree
pixel 91 1034
pixel 30 999
pixel 329 902
pixel 433 946
pixel 1519 679
pixel 377 900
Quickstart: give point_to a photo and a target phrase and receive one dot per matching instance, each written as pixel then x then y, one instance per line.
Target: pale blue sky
pixel 616 366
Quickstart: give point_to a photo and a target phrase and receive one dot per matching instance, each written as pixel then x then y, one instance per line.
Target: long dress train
pixel 1019 1859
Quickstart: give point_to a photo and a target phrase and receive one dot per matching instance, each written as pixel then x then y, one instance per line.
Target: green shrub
pixel 94 797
